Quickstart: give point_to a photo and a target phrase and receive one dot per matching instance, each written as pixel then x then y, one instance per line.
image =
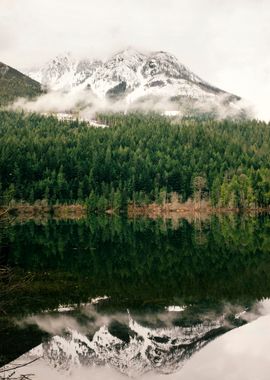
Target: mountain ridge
pixel 135 78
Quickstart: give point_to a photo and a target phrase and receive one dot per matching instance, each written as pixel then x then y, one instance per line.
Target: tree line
pixel 140 158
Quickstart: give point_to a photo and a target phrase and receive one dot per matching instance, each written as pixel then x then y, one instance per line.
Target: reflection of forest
pixel 142 259
pixel 138 263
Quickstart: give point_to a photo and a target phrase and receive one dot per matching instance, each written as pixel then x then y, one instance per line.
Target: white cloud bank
pixel 225 42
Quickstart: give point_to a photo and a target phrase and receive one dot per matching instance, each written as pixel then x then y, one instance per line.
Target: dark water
pixel 171 287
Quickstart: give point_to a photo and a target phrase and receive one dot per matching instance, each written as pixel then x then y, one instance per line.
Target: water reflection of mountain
pixel 239 354
pixel 139 264
pixel 140 350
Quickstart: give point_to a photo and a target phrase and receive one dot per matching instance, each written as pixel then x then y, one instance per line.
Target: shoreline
pixel 187 210
pixel 152 211
pixel 27 211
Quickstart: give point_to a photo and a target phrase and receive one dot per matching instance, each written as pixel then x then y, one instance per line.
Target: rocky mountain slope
pixel 64 72
pixel 14 84
pixel 134 78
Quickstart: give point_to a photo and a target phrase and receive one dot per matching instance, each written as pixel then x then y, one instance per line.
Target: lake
pixel 108 297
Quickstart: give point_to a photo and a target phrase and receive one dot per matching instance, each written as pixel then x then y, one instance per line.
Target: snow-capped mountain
pixel 133 78
pixel 64 72
pixel 163 350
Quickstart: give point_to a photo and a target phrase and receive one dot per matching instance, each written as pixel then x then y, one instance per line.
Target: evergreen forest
pixel 139 158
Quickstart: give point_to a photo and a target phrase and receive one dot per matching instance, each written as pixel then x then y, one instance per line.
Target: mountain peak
pixel 63 60
pixel 131 76
pixel 127 52
pixel 129 57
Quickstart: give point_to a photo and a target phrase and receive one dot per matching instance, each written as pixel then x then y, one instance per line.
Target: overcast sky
pixel 225 42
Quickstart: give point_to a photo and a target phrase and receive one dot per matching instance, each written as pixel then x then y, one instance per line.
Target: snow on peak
pixel 128 54
pixel 164 63
pixel 131 77
pixel 65 72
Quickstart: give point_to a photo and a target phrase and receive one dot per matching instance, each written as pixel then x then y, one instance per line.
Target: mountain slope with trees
pixel 14 84
pixel 140 158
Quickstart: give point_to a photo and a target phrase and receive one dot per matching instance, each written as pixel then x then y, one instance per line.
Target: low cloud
pixel 82 103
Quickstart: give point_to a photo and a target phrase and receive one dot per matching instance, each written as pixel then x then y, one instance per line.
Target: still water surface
pixel 109 297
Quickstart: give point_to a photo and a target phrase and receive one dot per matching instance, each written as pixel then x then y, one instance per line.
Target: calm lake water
pixel 107 297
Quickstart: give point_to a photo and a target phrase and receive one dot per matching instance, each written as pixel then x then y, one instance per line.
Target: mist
pixel 226 43
pixel 83 104
pixel 219 359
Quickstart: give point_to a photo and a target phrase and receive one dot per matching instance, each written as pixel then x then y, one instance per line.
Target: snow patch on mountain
pixel 132 78
pixel 64 72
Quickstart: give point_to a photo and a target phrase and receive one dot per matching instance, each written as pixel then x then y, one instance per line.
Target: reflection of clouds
pixel 241 354
pixel 81 349
pixel 163 347
pixel 58 323
pixel 133 345
pixel 260 308
pixel 264 307
pixel 65 317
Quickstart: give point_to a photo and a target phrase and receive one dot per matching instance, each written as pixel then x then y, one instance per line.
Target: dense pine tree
pixel 139 159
